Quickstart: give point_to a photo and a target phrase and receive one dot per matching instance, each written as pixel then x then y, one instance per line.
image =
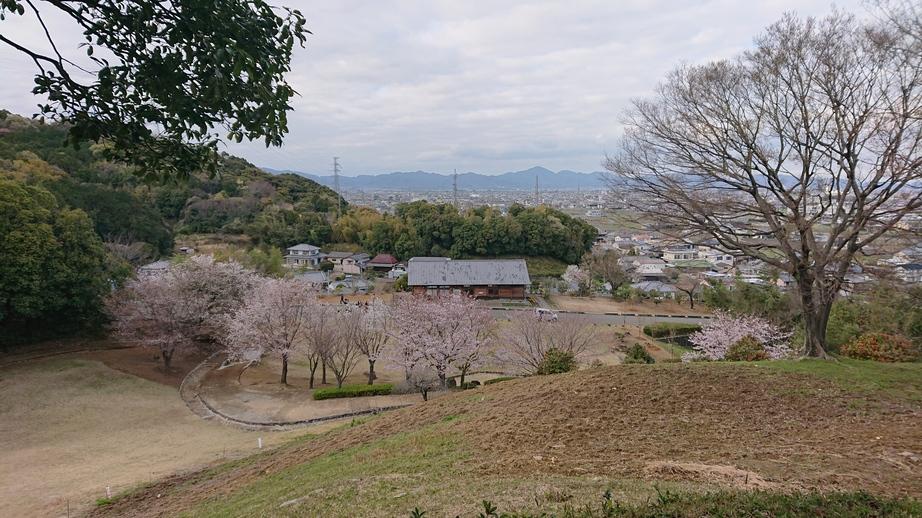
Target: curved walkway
pixel 208 392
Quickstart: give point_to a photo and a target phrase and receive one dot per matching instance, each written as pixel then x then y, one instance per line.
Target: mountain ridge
pixel 423 180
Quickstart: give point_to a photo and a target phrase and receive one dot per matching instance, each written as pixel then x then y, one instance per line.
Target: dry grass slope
pixel 517 442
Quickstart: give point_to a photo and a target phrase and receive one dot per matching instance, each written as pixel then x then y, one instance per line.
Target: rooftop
pixel 475 272
pixel 304 247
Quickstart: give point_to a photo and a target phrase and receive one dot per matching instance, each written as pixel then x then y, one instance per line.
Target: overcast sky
pixel 487 86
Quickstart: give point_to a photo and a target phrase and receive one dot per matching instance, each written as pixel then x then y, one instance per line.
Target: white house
pixel 680 252
pixel 303 255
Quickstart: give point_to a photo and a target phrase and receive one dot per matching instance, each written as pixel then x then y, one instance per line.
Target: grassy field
pixel 672 439
pixel 72 426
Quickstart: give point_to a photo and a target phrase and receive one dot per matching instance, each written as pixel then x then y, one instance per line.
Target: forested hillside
pixel 73 223
pixel 241 199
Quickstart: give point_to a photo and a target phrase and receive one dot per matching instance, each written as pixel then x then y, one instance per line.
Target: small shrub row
pixel 881 347
pixel 499 379
pixel 382 389
pixel 638 354
pixel 669 329
pixel 747 349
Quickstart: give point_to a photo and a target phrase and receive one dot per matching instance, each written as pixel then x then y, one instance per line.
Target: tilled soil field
pixel 727 425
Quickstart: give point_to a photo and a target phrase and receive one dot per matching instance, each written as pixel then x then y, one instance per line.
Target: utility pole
pixel 537 195
pixel 454 187
pixel 336 169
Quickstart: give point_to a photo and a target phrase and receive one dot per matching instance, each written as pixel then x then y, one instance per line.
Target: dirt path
pixel 73 425
pixel 254 394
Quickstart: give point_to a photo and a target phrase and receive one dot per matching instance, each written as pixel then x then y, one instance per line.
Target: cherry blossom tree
pixel 724 330
pixel 527 340
pixel 373 326
pixel 169 310
pixel 574 275
pixel 152 312
pixel 272 320
pixel 443 332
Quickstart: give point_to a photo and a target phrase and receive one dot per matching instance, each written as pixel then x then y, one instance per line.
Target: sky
pixel 488 86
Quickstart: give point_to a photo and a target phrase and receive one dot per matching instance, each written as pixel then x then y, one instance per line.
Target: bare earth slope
pixel 704 425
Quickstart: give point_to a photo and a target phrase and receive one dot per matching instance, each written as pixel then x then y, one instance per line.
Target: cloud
pixel 486 86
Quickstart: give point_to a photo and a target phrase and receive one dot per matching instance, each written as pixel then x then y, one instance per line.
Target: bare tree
pixel 373 329
pixel 321 331
pixel 605 266
pixel 528 340
pixel 688 284
pixel 799 153
pixel 341 353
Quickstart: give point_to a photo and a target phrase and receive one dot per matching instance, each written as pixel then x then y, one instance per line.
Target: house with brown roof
pixel 482 278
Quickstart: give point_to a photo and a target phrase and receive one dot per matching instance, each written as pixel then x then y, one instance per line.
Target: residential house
pixel 397 272
pixel 303 255
pixel 383 262
pixel 650 272
pixel 153 269
pixel 506 278
pixel 656 287
pixel 316 278
pixel 714 256
pixel 347 262
pixel 680 252
pixel 909 272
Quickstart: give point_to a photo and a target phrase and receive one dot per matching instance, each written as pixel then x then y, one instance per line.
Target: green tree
pixel 183 68
pixel 53 267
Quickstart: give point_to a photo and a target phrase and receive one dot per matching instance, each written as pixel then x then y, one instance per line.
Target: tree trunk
pixel 425 393
pixel 310 383
pixel 284 369
pixel 167 355
pixel 816 310
pixel 371 372
pixel 339 382
pixel 691 300
pixel 815 331
pixel 323 378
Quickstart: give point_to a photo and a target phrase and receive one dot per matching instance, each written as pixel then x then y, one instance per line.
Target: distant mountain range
pixel 423 181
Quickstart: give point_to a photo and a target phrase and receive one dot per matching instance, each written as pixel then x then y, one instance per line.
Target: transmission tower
pixel 454 187
pixel 339 198
pixel 537 194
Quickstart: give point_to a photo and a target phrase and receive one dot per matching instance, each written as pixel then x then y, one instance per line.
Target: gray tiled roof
pixel 450 272
pixel 303 246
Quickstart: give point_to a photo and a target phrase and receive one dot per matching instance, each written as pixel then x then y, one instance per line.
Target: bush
pixel 670 329
pixel 499 379
pixel 881 347
pixel 747 349
pixel 556 361
pixel 638 354
pixel 353 391
pixel 401 283
pixel 470 385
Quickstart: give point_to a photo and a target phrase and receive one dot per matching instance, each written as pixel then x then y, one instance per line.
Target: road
pixel 628 319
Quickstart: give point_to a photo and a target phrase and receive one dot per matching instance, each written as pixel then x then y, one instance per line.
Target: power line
pixel 339 198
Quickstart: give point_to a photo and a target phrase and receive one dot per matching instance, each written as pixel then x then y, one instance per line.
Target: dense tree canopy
pixel 157 77
pixel 54 270
pixel 427 229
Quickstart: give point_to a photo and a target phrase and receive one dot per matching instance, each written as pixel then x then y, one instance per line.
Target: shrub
pixel 882 347
pixel 746 349
pixel 638 354
pixel 499 379
pixel 670 329
pixel 470 385
pixel 556 361
pixel 353 391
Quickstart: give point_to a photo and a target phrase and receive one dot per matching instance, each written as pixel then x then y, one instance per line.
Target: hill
pixel 242 199
pixel 765 435
pixel 425 181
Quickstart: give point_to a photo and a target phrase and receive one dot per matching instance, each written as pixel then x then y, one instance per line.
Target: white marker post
pixel 108 491
pixel 259 442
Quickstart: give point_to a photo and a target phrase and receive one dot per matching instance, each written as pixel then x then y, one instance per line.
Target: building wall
pixel 504 292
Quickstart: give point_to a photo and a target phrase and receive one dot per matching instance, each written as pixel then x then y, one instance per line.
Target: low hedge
pixel 667 329
pixel 882 347
pixel 497 380
pixel 382 389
